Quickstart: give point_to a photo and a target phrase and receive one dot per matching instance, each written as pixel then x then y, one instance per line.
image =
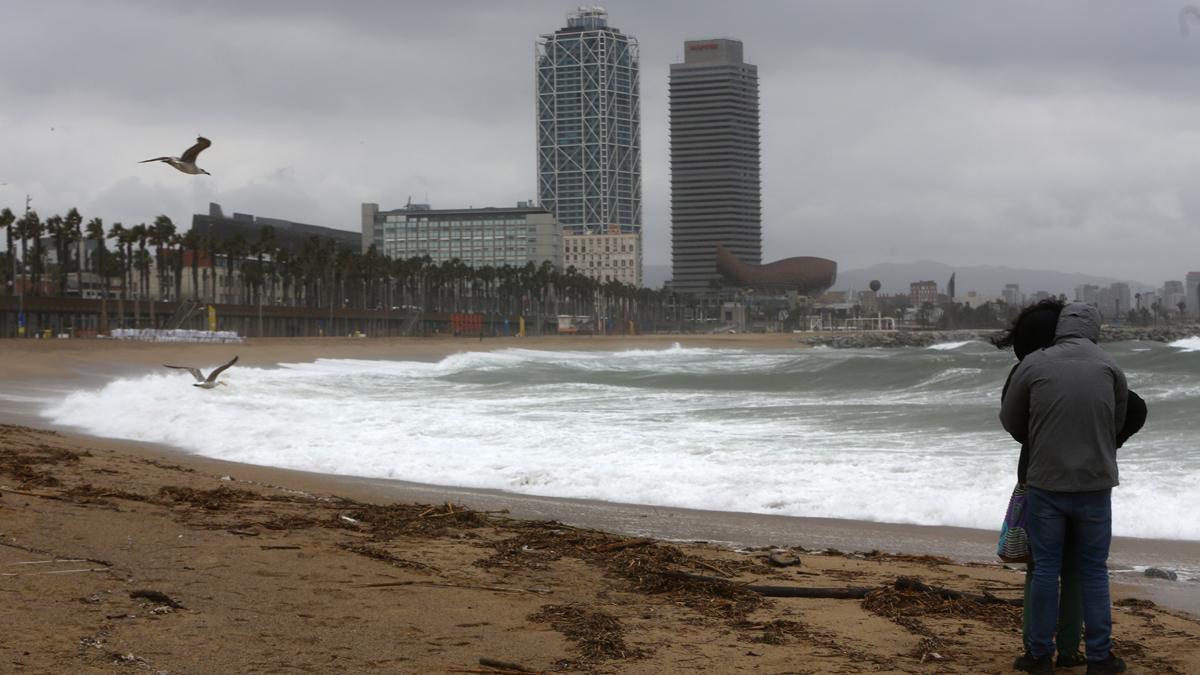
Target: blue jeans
pixel 1089 515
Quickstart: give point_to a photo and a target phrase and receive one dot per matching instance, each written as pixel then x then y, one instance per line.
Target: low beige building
pixel 612 255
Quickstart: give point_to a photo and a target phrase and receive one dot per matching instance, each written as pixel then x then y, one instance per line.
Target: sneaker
pixel 1068 660
pixel 1042 666
pixel 1111 664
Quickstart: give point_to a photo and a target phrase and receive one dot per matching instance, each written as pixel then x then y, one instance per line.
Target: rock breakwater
pixel 927 338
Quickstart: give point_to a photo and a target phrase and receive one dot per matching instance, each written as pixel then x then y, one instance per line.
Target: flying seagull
pixel 186 163
pixel 209 382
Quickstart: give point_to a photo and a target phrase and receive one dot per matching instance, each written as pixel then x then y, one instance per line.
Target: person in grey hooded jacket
pixel 1067 402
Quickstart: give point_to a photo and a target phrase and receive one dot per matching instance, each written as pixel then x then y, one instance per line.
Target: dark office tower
pixel 716 195
pixel 589 126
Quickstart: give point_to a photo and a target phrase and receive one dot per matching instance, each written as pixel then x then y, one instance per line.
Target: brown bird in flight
pixel 187 162
pixel 209 382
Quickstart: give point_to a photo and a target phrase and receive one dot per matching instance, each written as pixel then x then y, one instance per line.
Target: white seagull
pixel 187 162
pixel 209 382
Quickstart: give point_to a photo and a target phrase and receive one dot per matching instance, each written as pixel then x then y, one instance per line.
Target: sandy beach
pixel 117 555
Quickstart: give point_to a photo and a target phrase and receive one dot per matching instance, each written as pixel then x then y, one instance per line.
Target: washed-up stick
pixel 910 584
pixel 712 567
pixel 619 545
pixel 486 670
pixel 38 574
pixel 848 593
pixel 30 494
pixel 504 665
pixel 391 584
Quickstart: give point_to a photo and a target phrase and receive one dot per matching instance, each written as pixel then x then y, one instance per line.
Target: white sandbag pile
pixel 174 335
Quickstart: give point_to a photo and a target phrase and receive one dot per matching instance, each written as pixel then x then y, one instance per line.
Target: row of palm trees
pixel 150 263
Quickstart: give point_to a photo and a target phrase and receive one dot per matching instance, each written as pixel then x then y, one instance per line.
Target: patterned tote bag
pixel 1014 538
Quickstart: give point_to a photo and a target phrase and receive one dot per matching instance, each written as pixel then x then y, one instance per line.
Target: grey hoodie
pixel 1068 401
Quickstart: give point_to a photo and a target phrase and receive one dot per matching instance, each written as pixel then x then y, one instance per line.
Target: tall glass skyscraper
pixel 589 126
pixel 716 194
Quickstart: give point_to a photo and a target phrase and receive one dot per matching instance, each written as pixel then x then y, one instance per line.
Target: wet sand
pixel 301 589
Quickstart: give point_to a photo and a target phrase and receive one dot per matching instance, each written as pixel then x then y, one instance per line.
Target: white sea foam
pixel 1191 344
pixel 946 346
pixel 714 429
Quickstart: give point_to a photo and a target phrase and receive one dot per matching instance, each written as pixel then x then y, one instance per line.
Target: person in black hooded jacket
pixel 1033 330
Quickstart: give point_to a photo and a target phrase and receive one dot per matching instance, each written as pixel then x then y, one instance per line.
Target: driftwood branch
pixel 30 494
pixel 38 574
pixel 849 592
pixel 504 665
pixel 910 584
pixel 393 584
pixel 619 545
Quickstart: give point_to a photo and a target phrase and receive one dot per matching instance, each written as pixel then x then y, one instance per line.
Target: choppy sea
pixel 892 435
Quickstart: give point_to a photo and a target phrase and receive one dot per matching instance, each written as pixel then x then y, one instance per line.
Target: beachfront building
pixel 284 233
pixel 975 299
pixel 1122 298
pixel 716 192
pixel 1012 295
pixel 218 278
pixel 477 237
pixel 1088 293
pixel 608 256
pixel 921 292
pixel 589 154
pixel 1170 295
pixel 1192 292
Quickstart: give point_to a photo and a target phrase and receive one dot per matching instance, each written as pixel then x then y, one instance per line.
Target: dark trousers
pixel 1086 519
pixel 1070 604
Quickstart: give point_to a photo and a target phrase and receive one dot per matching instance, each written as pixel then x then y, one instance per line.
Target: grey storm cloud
pixel 1036 135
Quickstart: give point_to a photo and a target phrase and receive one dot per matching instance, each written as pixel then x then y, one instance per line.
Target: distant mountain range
pixel 985 279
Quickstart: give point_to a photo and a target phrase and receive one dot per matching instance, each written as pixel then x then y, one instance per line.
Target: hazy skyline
pixel 1062 136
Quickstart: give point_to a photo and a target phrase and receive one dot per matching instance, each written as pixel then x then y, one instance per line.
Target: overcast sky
pixel 1059 135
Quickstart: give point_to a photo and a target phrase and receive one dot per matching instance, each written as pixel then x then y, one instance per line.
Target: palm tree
pixel 56 228
pixel 95 232
pixel 143 262
pixel 284 266
pixel 175 253
pixel 136 235
pixel 235 251
pixel 192 241
pixel 118 234
pixel 159 235
pixel 74 223
pixel 211 245
pixel 264 244
pixel 31 228
pixel 141 234
pixel 7 219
